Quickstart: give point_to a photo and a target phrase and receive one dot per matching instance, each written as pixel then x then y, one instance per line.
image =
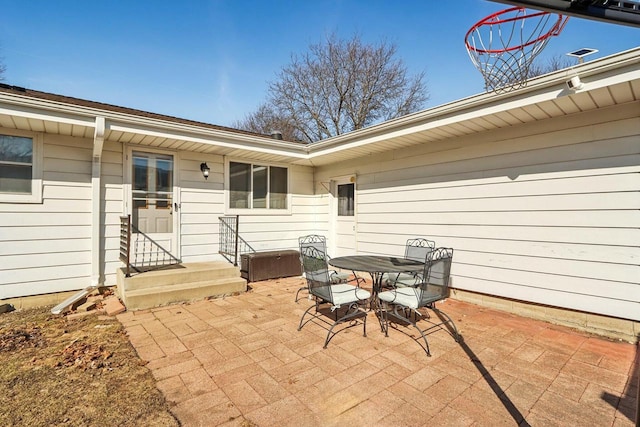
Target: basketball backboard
pixel 625 12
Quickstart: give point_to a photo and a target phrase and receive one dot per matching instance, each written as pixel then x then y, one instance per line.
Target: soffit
pixel 34 115
pixel 433 129
pixel 443 126
pixel 608 81
pixel 208 142
pixel 613 81
pixel 17 116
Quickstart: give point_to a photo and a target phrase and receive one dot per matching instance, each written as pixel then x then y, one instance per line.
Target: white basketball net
pixel 503 45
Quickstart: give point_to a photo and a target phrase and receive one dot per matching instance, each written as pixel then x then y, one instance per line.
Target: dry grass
pixel 80 372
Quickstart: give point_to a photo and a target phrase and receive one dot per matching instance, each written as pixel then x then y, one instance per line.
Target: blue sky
pixel 211 61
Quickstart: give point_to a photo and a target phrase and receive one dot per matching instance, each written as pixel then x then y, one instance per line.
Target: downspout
pixel 96 167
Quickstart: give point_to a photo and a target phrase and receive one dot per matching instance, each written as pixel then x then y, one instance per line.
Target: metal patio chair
pixel 416 250
pixel 320 243
pixel 403 303
pixel 340 299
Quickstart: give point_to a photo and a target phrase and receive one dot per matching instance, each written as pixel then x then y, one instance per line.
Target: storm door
pixel 152 198
pixel 343 217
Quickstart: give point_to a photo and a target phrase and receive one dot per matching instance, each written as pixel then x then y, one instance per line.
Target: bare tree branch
pixel 554 63
pixel 342 85
pixel 3 69
pixel 266 121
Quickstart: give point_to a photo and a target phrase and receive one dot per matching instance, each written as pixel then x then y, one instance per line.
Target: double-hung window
pixel 19 169
pixel 257 186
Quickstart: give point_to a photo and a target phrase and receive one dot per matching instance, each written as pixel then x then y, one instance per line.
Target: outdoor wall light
pixel 205 170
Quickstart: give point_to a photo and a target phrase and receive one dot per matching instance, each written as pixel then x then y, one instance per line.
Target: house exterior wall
pixel 546 212
pixel 202 202
pixel 46 247
pixel 278 232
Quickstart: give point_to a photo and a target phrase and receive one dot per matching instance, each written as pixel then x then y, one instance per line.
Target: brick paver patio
pixel 240 361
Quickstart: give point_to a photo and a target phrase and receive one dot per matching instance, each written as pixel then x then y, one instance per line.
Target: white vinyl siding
pixel 46 247
pixel 547 213
pixel 203 201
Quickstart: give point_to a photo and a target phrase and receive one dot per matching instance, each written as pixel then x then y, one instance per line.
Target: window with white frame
pixel 255 186
pixel 19 175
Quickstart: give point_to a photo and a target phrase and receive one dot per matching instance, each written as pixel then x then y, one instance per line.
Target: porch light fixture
pixel 205 170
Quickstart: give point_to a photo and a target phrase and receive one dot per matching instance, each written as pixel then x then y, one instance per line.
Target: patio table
pixel 376 266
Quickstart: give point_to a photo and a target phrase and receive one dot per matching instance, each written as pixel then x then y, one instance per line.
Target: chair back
pixel 313 241
pixel 417 249
pixel 316 271
pixel 435 282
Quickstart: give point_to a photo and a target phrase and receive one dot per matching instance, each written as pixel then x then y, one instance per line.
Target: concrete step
pixel 150 297
pixel 184 273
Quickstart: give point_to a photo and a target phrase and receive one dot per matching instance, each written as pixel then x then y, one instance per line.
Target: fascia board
pixel 33 112
pixel 156 127
pixel 596 74
pixel 214 138
pixel 610 70
pixel 436 118
pixel 27 107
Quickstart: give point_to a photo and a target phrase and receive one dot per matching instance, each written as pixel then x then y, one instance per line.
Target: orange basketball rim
pixel 503 45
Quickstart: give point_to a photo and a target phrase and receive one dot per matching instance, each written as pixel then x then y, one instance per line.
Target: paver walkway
pixel 240 361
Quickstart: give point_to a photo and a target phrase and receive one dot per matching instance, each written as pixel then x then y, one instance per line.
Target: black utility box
pixel 270 265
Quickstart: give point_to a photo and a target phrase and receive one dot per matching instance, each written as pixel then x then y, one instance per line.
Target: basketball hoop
pixel 502 49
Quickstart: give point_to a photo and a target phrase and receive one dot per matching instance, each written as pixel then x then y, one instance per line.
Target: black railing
pixel 231 244
pixel 147 253
pixel 125 242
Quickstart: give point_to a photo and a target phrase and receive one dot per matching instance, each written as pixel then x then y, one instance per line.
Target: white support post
pixel 96 256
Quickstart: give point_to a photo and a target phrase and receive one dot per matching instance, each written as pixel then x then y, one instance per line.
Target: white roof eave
pixel 48 110
pixel 595 74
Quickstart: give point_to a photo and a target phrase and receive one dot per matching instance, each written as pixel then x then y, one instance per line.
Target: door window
pixel 346 199
pixel 152 192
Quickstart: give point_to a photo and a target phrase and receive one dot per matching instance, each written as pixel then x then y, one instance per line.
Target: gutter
pixel 123 122
pixel 539 89
pixel 474 105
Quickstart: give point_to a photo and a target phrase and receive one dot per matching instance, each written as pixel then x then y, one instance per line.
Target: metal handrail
pixel 231 245
pixel 148 255
pixel 125 242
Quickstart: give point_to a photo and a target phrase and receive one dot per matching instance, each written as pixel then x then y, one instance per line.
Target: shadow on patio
pixel 240 361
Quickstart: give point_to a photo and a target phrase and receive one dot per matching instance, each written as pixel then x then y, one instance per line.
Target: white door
pixel 153 205
pixel 343 217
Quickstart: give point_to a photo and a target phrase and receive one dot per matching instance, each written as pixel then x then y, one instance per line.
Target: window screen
pixel 253 186
pixel 16 164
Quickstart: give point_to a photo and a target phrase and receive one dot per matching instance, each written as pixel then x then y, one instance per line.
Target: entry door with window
pixel 343 221
pixel 152 198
